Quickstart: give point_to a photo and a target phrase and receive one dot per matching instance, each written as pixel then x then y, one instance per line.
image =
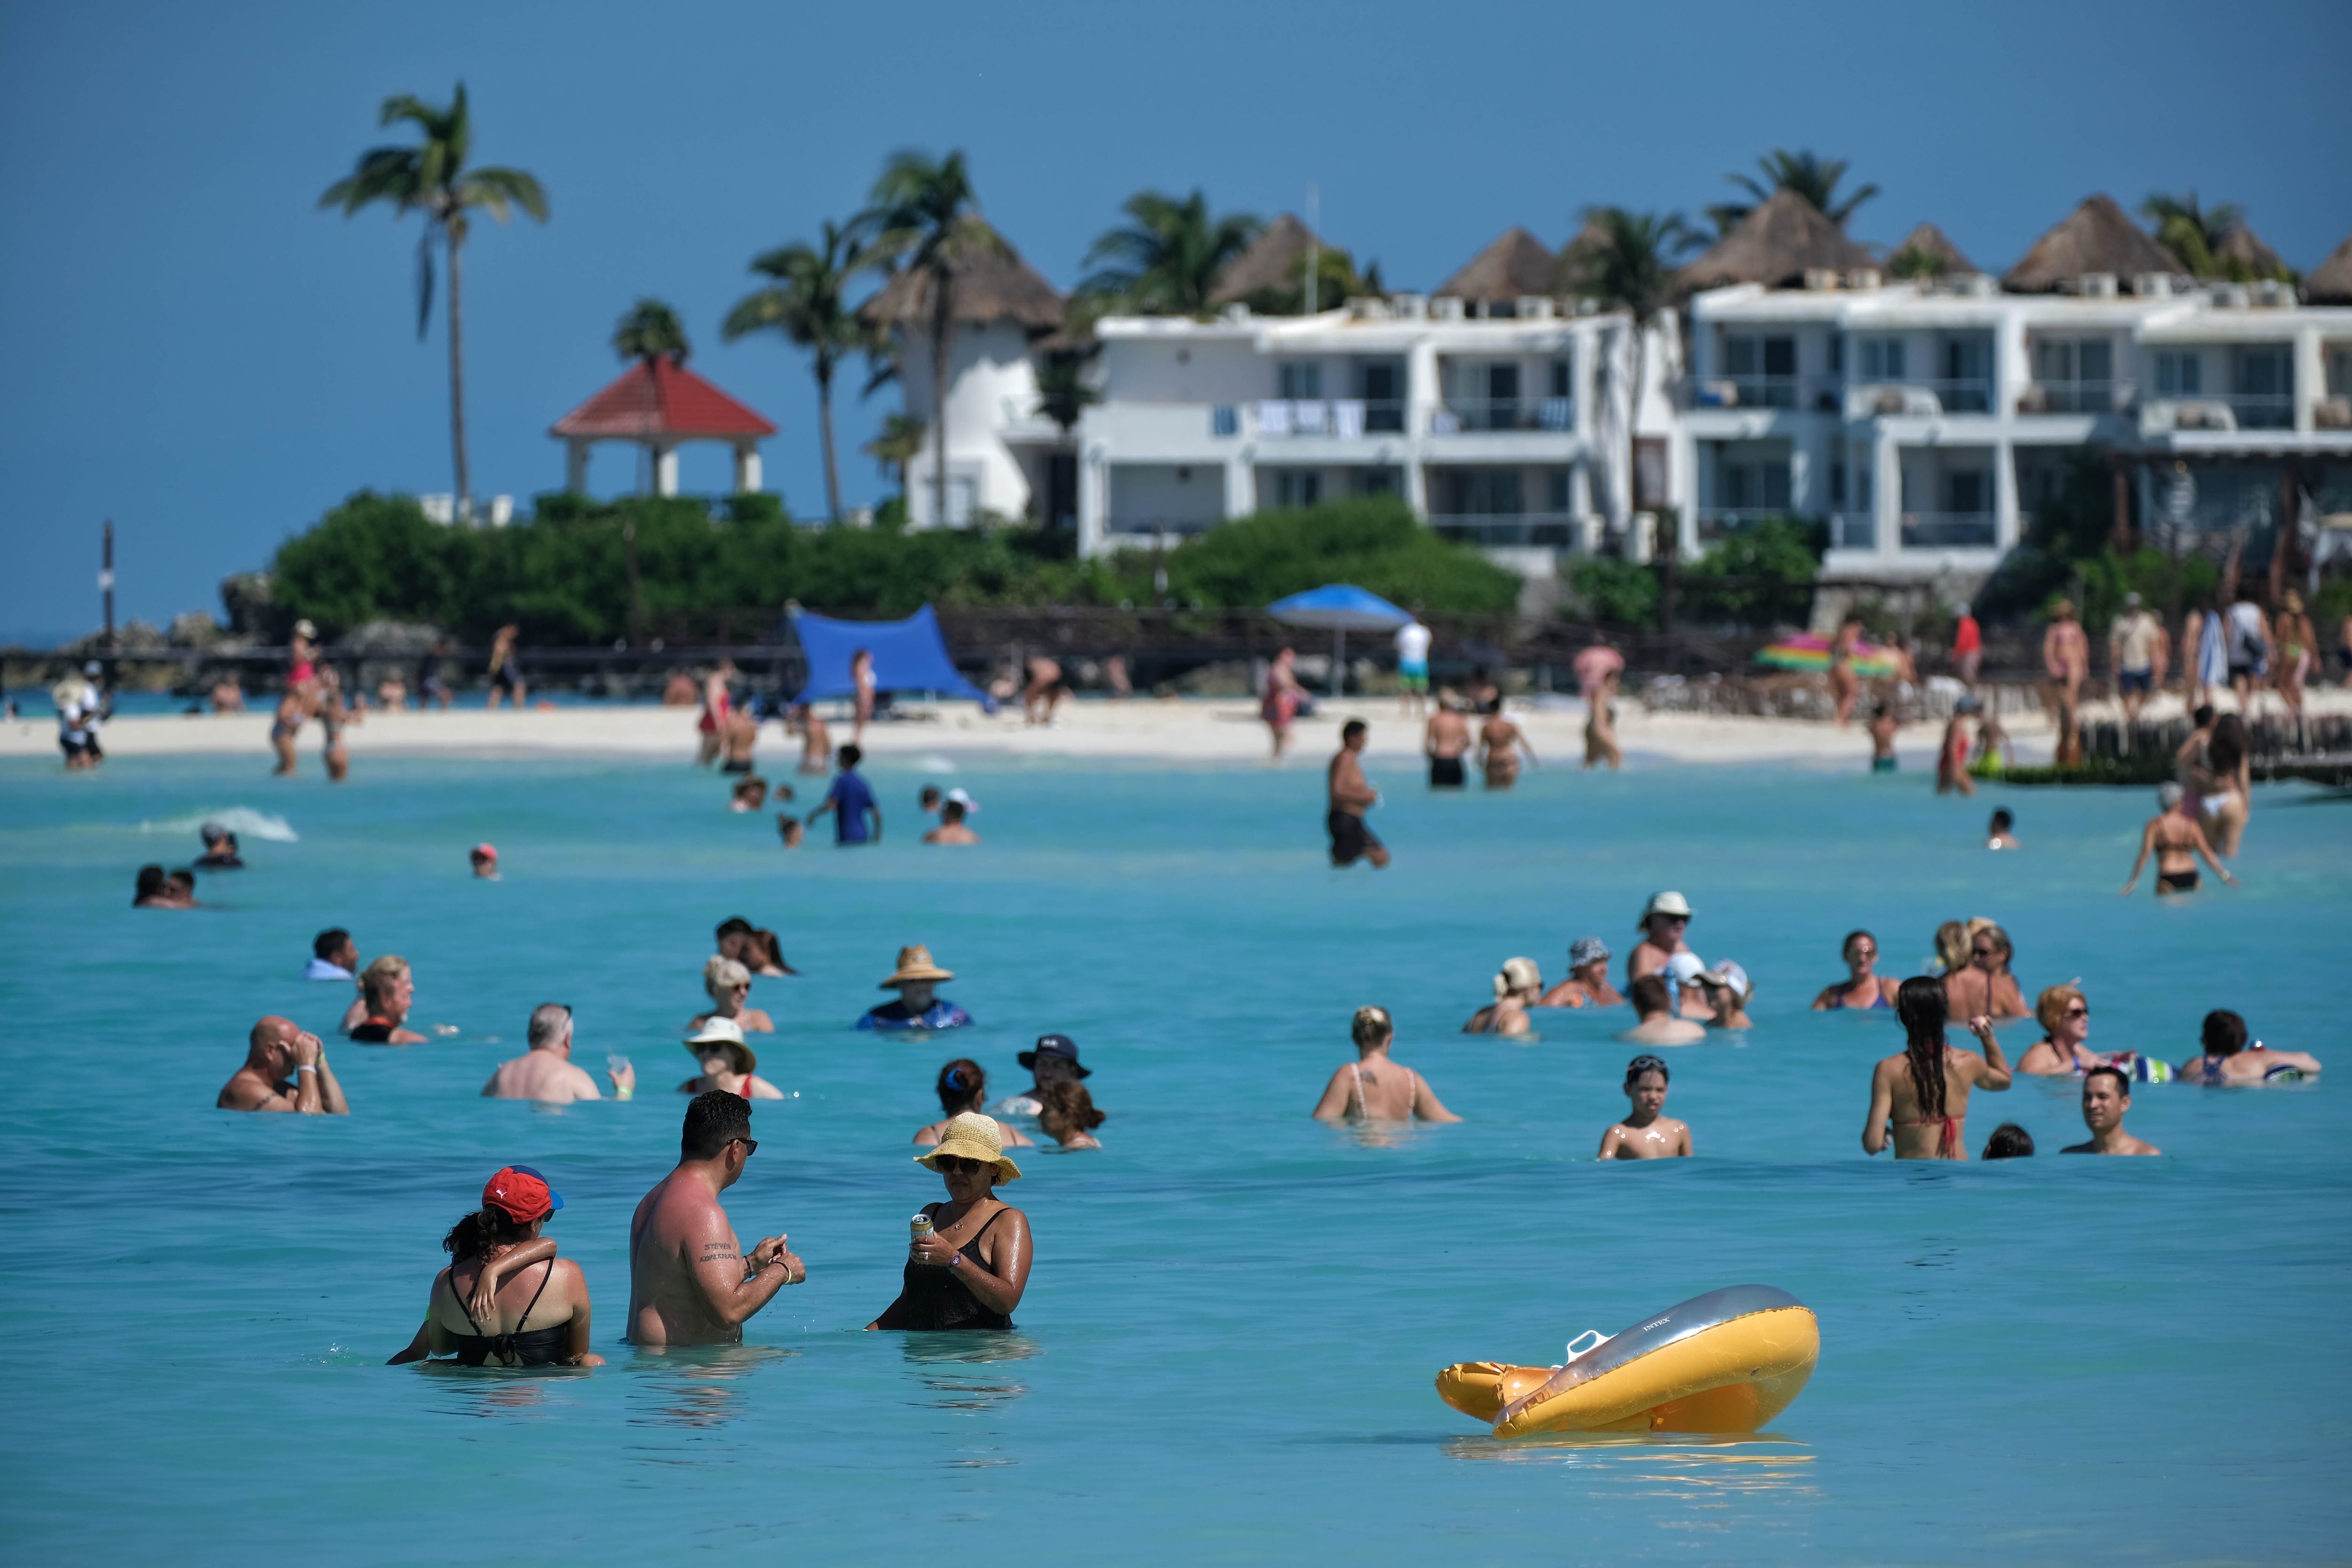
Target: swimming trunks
pixel 2137 681
pixel 736 767
pixel 1881 764
pixel 522 1347
pixel 1350 839
pixel 1445 772
pixel 932 1297
pixel 2177 881
pixel 1414 677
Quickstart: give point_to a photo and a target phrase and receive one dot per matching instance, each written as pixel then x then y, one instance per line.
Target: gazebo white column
pixel 665 471
pixel 576 465
pixel 747 468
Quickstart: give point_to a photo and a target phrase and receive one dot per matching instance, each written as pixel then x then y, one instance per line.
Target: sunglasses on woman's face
pixel 949 1165
pixel 2078 1012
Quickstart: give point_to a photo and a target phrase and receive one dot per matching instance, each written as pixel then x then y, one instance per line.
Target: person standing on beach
pixel 851 802
pixel 1600 726
pixel 505 674
pixel 1920 1097
pixel 861 680
pixel 2247 638
pixel 1968 647
pixel 690 1282
pixel 2132 653
pixel 1843 681
pixel 1444 741
pixel 1412 668
pixel 1350 797
pixel 546 1072
pixel 2106 1095
pixel 285 1069
pixel 718 706
pixel 431 688
pixel 1952 757
pixel 1282 700
pixel 2066 661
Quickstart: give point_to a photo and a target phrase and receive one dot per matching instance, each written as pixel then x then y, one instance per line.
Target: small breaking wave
pixel 241 820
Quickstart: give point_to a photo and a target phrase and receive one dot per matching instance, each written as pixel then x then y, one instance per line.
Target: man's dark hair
pixel 930 798
pixel 951 811
pixel 2003 821
pixel 2123 1083
pixel 151 881
pixel 850 757
pixel 713 1120
pixel 733 925
pixel 2224 1034
pixel 328 942
pixel 1648 995
pixel 2008 1142
pixel 1351 728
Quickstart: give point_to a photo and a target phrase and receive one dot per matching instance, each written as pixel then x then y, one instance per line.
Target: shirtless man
pixel 2106 1095
pixel 738 737
pixel 1444 741
pixel 1920 1094
pixel 1350 797
pixel 690 1281
pixel 1663 920
pixel 1654 1006
pixel 2176 841
pixel 1644 1135
pixel 1500 741
pixel 2067 660
pixel 1985 986
pixel 546 1073
pixel 1600 727
pixel 285 1069
pixel 951 829
pixel 1586 984
pixel 1952 760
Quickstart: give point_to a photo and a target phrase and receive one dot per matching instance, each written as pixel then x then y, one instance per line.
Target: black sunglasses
pixel 949 1164
pixel 751 1145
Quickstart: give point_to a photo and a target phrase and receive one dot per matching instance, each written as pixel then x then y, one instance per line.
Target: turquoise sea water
pixel 1226 1350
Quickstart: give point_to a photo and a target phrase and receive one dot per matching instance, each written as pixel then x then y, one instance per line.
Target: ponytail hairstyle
pixel 1372 1026
pixel 481 1233
pixel 963 1084
pixel 1921 1006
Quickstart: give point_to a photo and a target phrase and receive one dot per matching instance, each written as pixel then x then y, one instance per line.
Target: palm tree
pixel 808 304
pixel 652 331
pixel 1166 262
pixel 1062 393
pixel 2190 232
pixel 900 440
pixel 1811 177
pixel 432 178
pixel 1626 261
pixel 920 216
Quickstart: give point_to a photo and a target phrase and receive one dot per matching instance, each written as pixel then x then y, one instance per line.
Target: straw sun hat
pixel 971 1136
pixel 914 964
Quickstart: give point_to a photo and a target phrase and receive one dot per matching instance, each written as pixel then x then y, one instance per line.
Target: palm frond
pixel 497 189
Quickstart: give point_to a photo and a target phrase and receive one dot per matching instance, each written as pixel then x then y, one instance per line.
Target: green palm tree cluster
pixel 2196 235
pixel 808 302
pixel 1166 260
pixel 650 331
pixel 431 178
pixel 1813 178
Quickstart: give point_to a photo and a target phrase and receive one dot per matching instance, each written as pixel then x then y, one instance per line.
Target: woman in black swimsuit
pixel 970 1269
pixel 522 1305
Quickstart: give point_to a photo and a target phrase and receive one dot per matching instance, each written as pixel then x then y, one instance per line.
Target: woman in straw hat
pixel 1518 988
pixel 968 1269
pixel 917 1007
pixel 728 1063
pixel 729 985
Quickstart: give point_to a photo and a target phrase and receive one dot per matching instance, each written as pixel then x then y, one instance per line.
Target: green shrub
pixel 1376 543
pixel 1617 592
pixel 1759 575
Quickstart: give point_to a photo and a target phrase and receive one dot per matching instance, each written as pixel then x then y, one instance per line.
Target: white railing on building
pixel 2218 411
pixel 1918 399
pixel 1949 530
pixel 1335 418
pixel 1462 415
pixel 1715 522
pixel 2078 397
pixel 1559 529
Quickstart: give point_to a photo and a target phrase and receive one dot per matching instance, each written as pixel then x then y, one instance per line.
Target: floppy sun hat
pixel 520 1193
pixel 1667 903
pixel 1060 1045
pixel 914 964
pixel 971 1136
pixel 727 1034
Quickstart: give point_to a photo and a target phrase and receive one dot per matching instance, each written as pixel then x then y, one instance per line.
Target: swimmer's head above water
pixel 1371 1026
pixel 484 858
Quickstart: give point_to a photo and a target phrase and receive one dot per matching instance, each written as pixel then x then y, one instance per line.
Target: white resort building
pixel 1925 418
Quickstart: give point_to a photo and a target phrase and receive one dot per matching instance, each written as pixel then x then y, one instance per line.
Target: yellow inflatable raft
pixel 1728 1361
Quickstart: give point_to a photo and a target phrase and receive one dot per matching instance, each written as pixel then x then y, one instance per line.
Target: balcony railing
pixel 1714 521
pixel 1339 418
pixel 1145 530
pixel 2078 397
pixel 1555 413
pixel 1948 530
pixel 2218 411
pixel 1917 399
pixel 1557 529
pixel 1854 531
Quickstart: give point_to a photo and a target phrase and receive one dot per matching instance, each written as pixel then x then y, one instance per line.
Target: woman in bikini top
pixel 1926 1087
pixel 1373 1087
pixel 1863 990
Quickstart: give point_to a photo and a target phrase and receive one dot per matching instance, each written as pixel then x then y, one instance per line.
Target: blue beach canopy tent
pixel 1343 608
pixel 909 655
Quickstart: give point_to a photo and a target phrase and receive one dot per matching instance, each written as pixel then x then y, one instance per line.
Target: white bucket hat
pixel 1667 903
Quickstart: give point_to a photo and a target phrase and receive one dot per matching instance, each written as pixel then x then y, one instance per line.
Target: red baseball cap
pixel 521 1193
pixel 486 851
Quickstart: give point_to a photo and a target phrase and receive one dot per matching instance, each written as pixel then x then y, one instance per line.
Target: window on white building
pixel 1881 358
pixel 1967 490
pixel 1300 380
pixel 1563 378
pixel 2180 373
pixel 1298 487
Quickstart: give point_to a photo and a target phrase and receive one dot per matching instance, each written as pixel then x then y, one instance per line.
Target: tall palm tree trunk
pixel 457 368
pixel 942 325
pixel 824 428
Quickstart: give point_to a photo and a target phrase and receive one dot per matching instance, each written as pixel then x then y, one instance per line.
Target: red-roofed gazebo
pixel 660 404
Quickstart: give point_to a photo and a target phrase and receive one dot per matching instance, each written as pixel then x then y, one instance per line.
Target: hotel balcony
pixel 1460 415
pixel 1918 399
pixel 1335 418
pixel 2078 397
pixel 1854 531
pixel 2217 411
pixel 1948 530
pixel 1818 394
pixel 1712 522
pixel 1558 529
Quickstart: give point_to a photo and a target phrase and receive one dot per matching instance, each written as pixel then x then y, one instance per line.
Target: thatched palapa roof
pixel 1775 244
pixel 1275 259
pixel 1930 240
pixel 2096 237
pixel 2330 282
pixel 1517 266
pixel 991 284
pixel 2245 247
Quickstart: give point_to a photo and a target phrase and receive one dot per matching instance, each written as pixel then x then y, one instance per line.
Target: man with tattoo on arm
pixel 690 1282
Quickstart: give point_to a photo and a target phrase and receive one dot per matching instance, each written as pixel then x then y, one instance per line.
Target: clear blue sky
pixel 200 354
